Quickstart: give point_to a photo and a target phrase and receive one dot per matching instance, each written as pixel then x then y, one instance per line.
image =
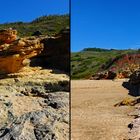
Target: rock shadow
pixel 41 62
pixel 58 68
pixel 133 89
pixel 5 76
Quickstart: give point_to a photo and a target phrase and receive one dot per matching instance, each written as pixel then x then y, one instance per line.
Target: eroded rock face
pixel 56 53
pixel 15 55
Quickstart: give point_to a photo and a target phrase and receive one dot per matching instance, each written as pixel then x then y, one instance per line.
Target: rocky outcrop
pixel 34 105
pixel 110 74
pixel 104 75
pixel 134 126
pixel 34 101
pixel 128 102
pixel 133 85
pixel 122 66
pixel 49 122
pixel 135 78
pixel 16 55
pixel 56 53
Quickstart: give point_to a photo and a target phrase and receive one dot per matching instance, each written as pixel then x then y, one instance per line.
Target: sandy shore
pixel 94 116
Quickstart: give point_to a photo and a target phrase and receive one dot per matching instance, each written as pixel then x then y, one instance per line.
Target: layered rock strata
pixel 16 55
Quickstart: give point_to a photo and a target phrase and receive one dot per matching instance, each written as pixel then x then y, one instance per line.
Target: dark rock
pixel 15 128
pixel 104 75
pixel 19 95
pixel 17 80
pixel 55 105
pixel 56 53
pixel 55 100
pixel 8 104
pixel 135 78
pixel 40 119
pixel 111 75
pixel 37 33
pixel 133 85
pixel 130 126
pixel 44 132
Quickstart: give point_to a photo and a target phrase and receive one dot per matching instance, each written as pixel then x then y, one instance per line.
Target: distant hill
pixel 97 49
pixel 49 25
pixel 89 61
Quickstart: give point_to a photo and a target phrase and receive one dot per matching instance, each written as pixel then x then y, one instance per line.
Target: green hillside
pixel 89 61
pixel 45 24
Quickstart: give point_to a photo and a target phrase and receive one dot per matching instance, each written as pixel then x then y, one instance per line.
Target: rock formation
pixel 15 55
pixel 104 75
pixel 134 84
pixel 34 101
pixel 34 105
pixel 122 66
pixel 135 78
pixel 56 51
pixel 134 89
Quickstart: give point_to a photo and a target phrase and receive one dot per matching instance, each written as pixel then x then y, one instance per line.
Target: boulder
pixel 135 78
pixel 134 83
pixel 111 75
pixel 104 75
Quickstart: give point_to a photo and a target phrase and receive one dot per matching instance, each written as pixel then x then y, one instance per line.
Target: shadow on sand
pixel 133 89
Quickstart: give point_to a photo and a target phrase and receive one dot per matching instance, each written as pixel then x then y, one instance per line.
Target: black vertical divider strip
pixel 70 71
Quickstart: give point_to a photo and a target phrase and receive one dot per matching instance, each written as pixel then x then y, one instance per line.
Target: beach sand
pixel 94 116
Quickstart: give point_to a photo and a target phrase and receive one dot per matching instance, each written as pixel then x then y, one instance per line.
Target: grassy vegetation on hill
pixel 46 25
pixel 88 62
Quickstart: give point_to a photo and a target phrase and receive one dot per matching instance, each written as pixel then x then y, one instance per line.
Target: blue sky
pixel 105 24
pixel 27 10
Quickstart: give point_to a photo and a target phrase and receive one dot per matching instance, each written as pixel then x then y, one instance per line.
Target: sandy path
pixel 93 115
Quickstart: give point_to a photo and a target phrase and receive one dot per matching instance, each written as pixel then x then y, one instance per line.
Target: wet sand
pixel 94 116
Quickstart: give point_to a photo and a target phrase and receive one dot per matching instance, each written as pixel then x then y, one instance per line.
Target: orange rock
pixel 8 36
pixel 16 55
pixel 120 76
pixel 10 64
